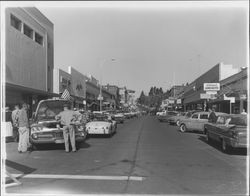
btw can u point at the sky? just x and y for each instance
(159, 45)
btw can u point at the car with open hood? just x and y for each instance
(46, 129)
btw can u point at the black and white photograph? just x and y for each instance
(124, 98)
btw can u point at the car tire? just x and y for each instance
(207, 137)
(178, 123)
(225, 148)
(183, 128)
(34, 147)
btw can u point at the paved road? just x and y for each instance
(144, 157)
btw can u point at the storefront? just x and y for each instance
(192, 99)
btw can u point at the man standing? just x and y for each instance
(66, 118)
(14, 116)
(212, 116)
(23, 124)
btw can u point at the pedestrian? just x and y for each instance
(67, 117)
(212, 116)
(23, 129)
(243, 112)
(14, 116)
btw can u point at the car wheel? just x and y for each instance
(34, 147)
(208, 138)
(183, 128)
(178, 123)
(225, 148)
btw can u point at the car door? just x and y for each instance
(217, 129)
(192, 122)
(203, 118)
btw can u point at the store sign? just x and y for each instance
(211, 92)
(100, 98)
(171, 101)
(207, 96)
(211, 86)
(243, 96)
(178, 101)
(231, 99)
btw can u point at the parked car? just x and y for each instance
(161, 113)
(101, 124)
(196, 122)
(119, 118)
(45, 129)
(184, 115)
(173, 119)
(164, 118)
(229, 130)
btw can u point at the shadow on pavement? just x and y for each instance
(48, 147)
(217, 146)
(19, 167)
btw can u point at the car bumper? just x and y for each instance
(242, 143)
(56, 138)
(98, 131)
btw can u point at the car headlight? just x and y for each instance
(36, 129)
(35, 136)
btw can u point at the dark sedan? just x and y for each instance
(229, 130)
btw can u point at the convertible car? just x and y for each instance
(101, 124)
(229, 130)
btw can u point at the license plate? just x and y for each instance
(59, 141)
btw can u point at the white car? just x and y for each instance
(101, 125)
(161, 113)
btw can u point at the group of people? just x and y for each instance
(20, 125)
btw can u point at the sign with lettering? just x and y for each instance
(211, 86)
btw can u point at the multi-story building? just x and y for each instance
(29, 57)
(113, 89)
(192, 93)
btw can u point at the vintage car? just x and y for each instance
(46, 129)
(101, 124)
(161, 113)
(196, 122)
(173, 119)
(119, 118)
(164, 118)
(229, 130)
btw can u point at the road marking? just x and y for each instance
(79, 177)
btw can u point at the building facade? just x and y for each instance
(235, 87)
(29, 56)
(192, 94)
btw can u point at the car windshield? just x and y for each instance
(238, 120)
(49, 109)
(172, 113)
(98, 117)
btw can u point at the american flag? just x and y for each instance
(66, 95)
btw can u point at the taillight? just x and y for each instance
(234, 134)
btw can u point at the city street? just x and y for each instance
(143, 157)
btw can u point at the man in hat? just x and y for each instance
(212, 116)
(66, 117)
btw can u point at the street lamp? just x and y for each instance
(100, 97)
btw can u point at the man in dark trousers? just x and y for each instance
(66, 118)
(212, 116)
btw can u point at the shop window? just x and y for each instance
(39, 39)
(15, 22)
(27, 31)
